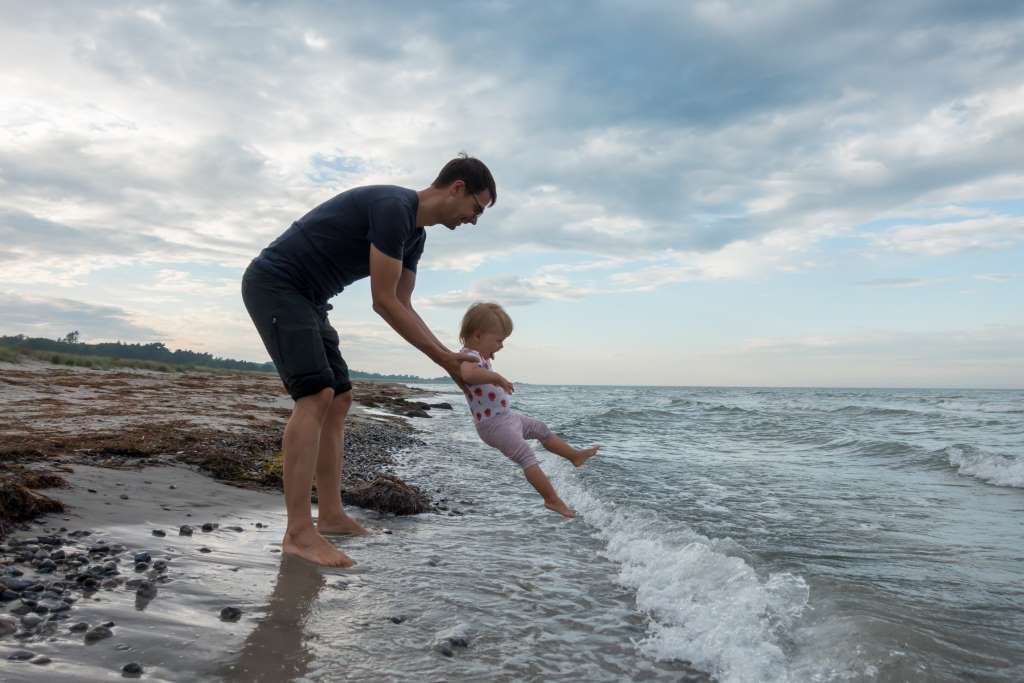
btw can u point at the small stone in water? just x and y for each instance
(185, 530)
(97, 634)
(159, 532)
(79, 627)
(20, 656)
(132, 669)
(40, 660)
(31, 620)
(230, 614)
(209, 526)
(142, 557)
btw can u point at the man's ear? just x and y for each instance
(457, 187)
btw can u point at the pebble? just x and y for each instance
(230, 614)
(79, 627)
(146, 590)
(132, 669)
(8, 625)
(40, 660)
(21, 656)
(31, 620)
(97, 634)
(159, 532)
(209, 526)
(142, 557)
(185, 530)
(204, 549)
(21, 607)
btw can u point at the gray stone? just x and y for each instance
(97, 634)
(230, 614)
(8, 625)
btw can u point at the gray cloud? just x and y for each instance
(54, 317)
(655, 126)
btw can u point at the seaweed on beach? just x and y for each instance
(390, 494)
(19, 502)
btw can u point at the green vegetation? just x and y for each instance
(153, 356)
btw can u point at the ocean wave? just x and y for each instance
(705, 605)
(995, 469)
(708, 406)
(875, 411)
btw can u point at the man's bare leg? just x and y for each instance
(330, 461)
(577, 456)
(301, 443)
(535, 475)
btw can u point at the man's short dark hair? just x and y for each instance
(472, 172)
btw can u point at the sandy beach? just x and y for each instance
(142, 521)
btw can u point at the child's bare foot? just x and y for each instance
(338, 525)
(561, 508)
(311, 546)
(584, 454)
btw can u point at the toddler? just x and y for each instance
(484, 329)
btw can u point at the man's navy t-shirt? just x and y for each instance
(329, 248)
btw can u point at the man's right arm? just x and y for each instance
(385, 274)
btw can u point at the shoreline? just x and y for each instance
(228, 425)
(120, 488)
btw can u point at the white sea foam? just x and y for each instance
(994, 469)
(706, 606)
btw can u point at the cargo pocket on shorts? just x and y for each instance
(300, 348)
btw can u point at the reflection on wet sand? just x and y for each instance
(275, 650)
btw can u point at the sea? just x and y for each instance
(728, 534)
(750, 535)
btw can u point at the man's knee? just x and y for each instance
(318, 404)
(340, 406)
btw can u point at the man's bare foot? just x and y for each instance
(584, 454)
(340, 525)
(561, 508)
(311, 546)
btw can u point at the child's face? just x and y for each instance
(488, 343)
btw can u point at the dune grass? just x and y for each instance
(8, 355)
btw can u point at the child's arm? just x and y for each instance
(474, 374)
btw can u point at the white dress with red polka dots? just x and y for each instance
(486, 400)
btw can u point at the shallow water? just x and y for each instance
(763, 535)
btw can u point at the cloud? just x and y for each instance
(996, 277)
(683, 128)
(53, 317)
(510, 291)
(941, 239)
(900, 282)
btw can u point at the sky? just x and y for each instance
(780, 193)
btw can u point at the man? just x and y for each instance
(376, 231)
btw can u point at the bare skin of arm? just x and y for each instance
(474, 374)
(385, 277)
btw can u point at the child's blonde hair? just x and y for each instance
(485, 317)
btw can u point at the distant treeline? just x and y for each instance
(159, 353)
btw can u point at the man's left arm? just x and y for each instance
(407, 283)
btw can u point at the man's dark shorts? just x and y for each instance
(295, 330)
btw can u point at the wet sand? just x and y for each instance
(134, 453)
